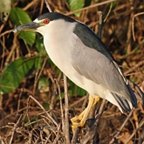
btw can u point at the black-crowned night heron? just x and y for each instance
(82, 57)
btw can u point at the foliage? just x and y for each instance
(15, 72)
(19, 17)
(77, 4)
(32, 99)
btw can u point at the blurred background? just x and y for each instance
(32, 98)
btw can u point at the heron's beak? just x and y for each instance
(27, 27)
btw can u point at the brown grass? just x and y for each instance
(24, 118)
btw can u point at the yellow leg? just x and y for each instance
(79, 121)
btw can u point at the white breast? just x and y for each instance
(59, 42)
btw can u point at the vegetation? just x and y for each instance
(33, 97)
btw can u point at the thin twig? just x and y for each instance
(139, 126)
(47, 5)
(6, 32)
(61, 106)
(13, 48)
(43, 110)
(29, 5)
(108, 13)
(13, 130)
(67, 136)
(75, 136)
(91, 6)
(54, 92)
(80, 100)
(120, 129)
(38, 74)
(133, 18)
(41, 6)
(99, 33)
(101, 107)
(57, 136)
(141, 63)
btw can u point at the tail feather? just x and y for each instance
(132, 96)
(124, 101)
(126, 104)
(123, 104)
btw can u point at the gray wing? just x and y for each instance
(92, 60)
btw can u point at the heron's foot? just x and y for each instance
(80, 120)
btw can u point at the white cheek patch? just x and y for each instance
(36, 20)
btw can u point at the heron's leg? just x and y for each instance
(79, 121)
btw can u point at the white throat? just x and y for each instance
(59, 42)
(56, 27)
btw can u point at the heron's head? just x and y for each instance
(46, 21)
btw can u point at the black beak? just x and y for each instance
(27, 27)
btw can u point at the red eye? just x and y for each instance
(46, 21)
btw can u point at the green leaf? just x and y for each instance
(15, 72)
(39, 45)
(37, 62)
(74, 90)
(43, 84)
(27, 37)
(19, 17)
(75, 5)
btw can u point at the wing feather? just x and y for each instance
(92, 60)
